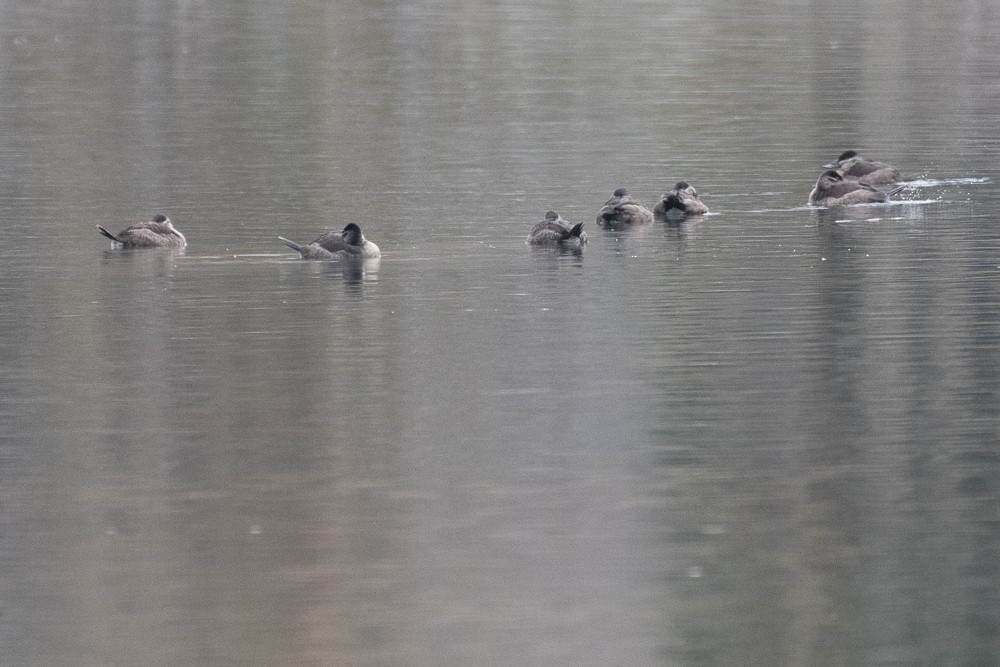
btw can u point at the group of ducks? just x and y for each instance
(850, 179)
(619, 212)
(161, 233)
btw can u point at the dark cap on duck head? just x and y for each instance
(843, 157)
(352, 234)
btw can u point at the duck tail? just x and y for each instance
(291, 244)
(108, 234)
(577, 230)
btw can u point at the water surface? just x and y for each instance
(765, 437)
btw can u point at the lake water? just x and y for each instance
(768, 437)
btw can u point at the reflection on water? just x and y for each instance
(765, 436)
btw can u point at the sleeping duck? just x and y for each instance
(349, 242)
(623, 211)
(157, 233)
(554, 230)
(682, 202)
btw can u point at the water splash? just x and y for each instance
(939, 182)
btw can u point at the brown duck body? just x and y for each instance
(157, 233)
(832, 189)
(349, 242)
(681, 202)
(851, 165)
(623, 211)
(554, 230)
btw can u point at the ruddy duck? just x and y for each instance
(337, 245)
(623, 211)
(683, 201)
(157, 233)
(832, 189)
(554, 230)
(850, 164)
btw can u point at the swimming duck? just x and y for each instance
(157, 233)
(832, 189)
(623, 211)
(683, 201)
(851, 165)
(349, 242)
(553, 229)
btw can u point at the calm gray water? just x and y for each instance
(769, 437)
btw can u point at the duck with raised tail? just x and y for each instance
(349, 242)
(157, 233)
(555, 230)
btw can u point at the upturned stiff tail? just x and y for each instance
(111, 236)
(291, 244)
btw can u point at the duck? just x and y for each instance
(851, 165)
(832, 189)
(159, 232)
(555, 230)
(681, 202)
(623, 211)
(349, 242)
